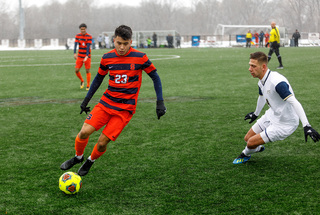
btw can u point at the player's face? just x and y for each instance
(256, 69)
(122, 46)
(83, 30)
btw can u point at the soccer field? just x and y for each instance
(180, 164)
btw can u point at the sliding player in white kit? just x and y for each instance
(282, 117)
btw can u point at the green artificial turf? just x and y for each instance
(180, 164)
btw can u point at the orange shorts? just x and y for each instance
(79, 63)
(115, 121)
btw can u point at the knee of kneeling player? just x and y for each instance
(252, 144)
(246, 138)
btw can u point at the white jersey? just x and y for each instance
(276, 89)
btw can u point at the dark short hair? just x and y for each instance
(82, 25)
(124, 32)
(260, 57)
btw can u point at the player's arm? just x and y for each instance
(283, 90)
(161, 109)
(260, 104)
(93, 88)
(87, 52)
(75, 50)
(308, 130)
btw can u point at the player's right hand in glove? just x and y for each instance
(251, 116)
(161, 109)
(84, 107)
(308, 130)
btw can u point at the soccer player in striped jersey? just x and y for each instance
(124, 65)
(282, 117)
(84, 40)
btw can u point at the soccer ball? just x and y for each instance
(70, 183)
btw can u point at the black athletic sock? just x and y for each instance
(280, 60)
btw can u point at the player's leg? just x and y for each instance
(81, 142)
(77, 71)
(111, 132)
(270, 53)
(279, 58)
(254, 144)
(99, 149)
(254, 140)
(95, 120)
(88, 74)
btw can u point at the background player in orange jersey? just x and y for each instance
(84, 54)
(124, 65)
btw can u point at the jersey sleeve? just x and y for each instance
(76, 40)
(283, 90)
(103, 68)
(260, 104)
(299, 110)
(148, 66)
(89, 40)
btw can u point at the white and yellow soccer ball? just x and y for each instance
(70, 183)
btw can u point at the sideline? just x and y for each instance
(158, 57)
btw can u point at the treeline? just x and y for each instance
(61, 20)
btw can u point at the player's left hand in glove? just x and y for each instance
(161, 109)
(308, 130)
(251, 116)
(84, 107)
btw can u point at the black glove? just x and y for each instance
(84, 107)
(267, 44)
(251, 116)
(315, 136)
(161, 109)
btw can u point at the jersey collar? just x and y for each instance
(265, 77)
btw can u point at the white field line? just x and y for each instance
(162, 57)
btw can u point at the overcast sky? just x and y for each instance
(14, 4)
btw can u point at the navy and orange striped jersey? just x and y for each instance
(125, 76)
(83, 40)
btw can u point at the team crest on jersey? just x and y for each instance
(132, 67)
(83, 44)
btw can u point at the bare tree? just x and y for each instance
(61, 20)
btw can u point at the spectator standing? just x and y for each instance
(178, 38)
(261, 36)
(248, 39)
(149, 41)
(170, 40)
(267, 36)
(296, 36)
(256, 37)
(99, 39)
(106, 41)
(154, 38)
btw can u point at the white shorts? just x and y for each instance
(271, 132)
